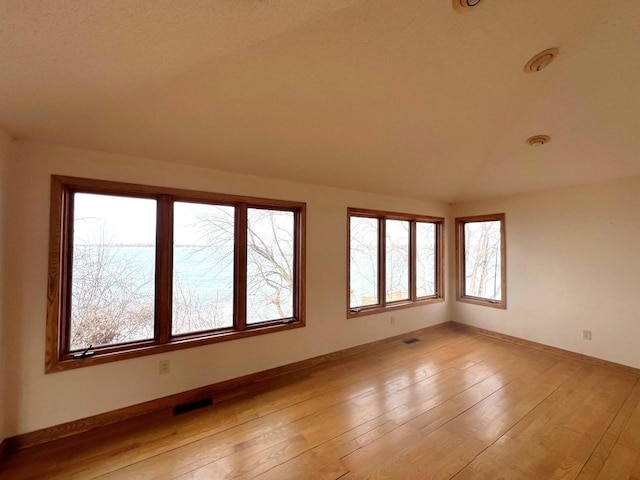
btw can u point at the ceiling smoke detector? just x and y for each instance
(538, 140)
(541, 60)
(465, 5)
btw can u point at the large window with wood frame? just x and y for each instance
(395, 261)
(136, 270)
(481, 260)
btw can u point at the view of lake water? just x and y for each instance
(209, 270)
(202, 288)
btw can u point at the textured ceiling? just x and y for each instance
(404, 97)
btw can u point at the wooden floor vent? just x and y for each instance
(409, 341)
(189, 407)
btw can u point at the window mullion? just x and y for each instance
(164, 269)
(503, 262)
(460, 257)
(413, 294)
(382, 261)
(298, 274)
(67, 268)
(240, 288)
(439, 260)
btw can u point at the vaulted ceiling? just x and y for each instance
(403, 97)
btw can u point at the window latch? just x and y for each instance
(86, 353)
(355, 310)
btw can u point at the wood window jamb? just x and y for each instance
(460, 242)
(413, 300)
(59, 358)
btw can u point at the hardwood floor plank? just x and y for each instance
(330, 422)
(514, 368)
(313, 462)
(552, 441)
(619, 464)
(353, 374)
(366, 405)
(598, 458)
(456, 404)
(630, 436)
(449, 448)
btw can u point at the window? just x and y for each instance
(270, 260)
(136, 270)
(481, 260)
(395, 261)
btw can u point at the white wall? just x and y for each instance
(36, 400)
(573, 259)
(573, 263)
(5, 159)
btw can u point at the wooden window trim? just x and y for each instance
(58, 356)
(383, 305)
(460, 263)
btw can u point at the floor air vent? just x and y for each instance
(188, 407)
(409, 341)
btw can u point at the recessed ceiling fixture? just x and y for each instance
(541, 60)
(538, 140)
(465, 5)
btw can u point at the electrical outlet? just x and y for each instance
(586, 334)
(164, 367)
(393, 320)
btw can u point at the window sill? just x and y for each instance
(69, 363)
(483, 302)
(364, 311)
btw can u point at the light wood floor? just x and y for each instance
(454, 405)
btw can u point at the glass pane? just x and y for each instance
(425, 259)
(397, 245)
(203, 267)
(363, 281)
(270, 264)
(113, 270)
(482, 260)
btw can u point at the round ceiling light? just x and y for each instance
(541, 60)
(465, 5)
(538, 140)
